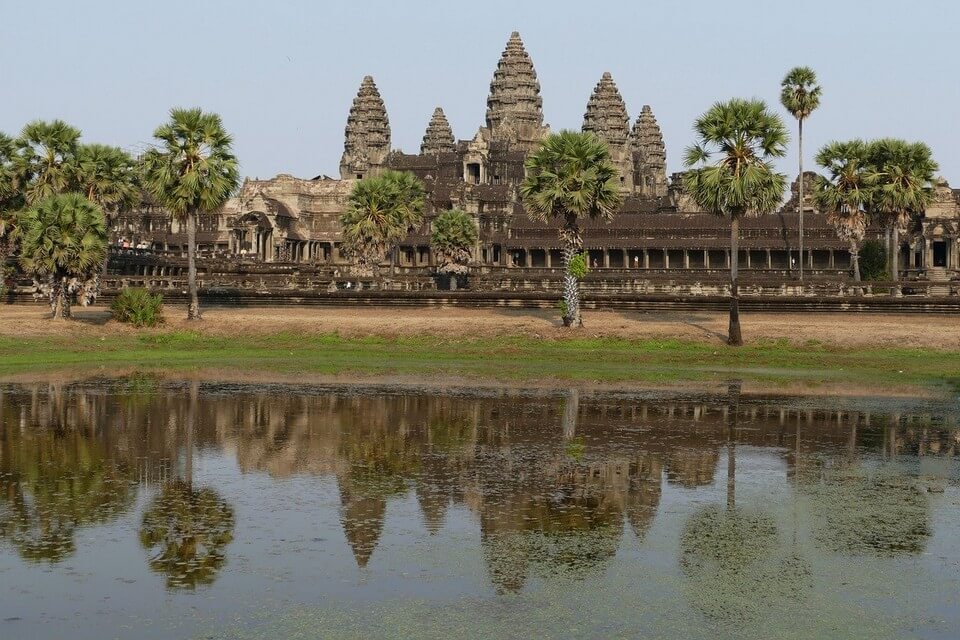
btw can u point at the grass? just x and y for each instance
(516, 359)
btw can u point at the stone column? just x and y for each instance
(548, 257)
(769, 260)
(706, 258)
(646, 258)
(833, 264)
(666, 258)
(686, 259)
(606, 258)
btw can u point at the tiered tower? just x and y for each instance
(514, 106)
(649, 155)
(367, 135)
(607, 118)
(439, 136)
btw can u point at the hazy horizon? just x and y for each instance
(283, 74)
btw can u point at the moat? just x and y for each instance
(139, 507)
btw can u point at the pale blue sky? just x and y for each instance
(283, 74)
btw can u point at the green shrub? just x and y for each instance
(139, 307)
(578, 266)
(873, 261)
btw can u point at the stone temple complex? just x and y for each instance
(658, 232)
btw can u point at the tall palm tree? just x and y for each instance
(109, 177)
(846, 192)
(906, 172)
(570, 177)
(744, 137)
(46, 159)
(192, 171)
(800, 95)
(381, 211)
(11, 200)
(62, 238)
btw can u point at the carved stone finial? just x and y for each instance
(439, 136)
(514, 106)
(606, 115)
(650, 155)
(367, 134)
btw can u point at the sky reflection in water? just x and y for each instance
(147, 509)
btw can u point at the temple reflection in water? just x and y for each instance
(554, 481)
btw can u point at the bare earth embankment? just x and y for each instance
(835, 329)
(838, 354)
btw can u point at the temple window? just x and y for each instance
(473, 172)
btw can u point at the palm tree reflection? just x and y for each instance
(187, 529)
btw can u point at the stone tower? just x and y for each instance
(514, 106)
(439, 136)
(649, 155)
(367, 135)
(607, 118)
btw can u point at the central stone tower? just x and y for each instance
(367, 135)
(514, 106)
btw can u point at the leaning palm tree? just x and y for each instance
(800, 95)
(570, 177)
(46, 159)
(744, 137)
(191, 172)
(381, 211)
(846, 192)
(906, 173)
(453, 236)
(62, 241)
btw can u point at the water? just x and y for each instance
(138, 508)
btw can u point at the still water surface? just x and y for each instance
(139, 508)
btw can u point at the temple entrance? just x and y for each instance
(252, 235)
(939, 253)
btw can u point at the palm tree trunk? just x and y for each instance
(193, 310)
(733, 411)
(60, 297)
(895, 258)
(734, 338)
(571, 285)
(800, 197)
(887, 230)
(855, 262)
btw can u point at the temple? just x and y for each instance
(658, 230)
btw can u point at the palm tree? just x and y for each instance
(46, 159)
(453, 236)
(846, 192)
(191, 172)
(905, 177)
(11, 200)
(800, 95)
(108, 176)
(62, 238)
(569, 177)
(745, 137)
(381, 211)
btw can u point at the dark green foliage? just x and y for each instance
(138, 307)
(453, 236)
(873, 260)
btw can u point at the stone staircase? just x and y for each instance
(941, 281)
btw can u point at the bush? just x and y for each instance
(139, 307)
(578, 266)
(873, 261)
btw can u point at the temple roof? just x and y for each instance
(514, 101)
(647, 139)
(606, 114)
(438, 136)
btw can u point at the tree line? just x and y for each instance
(58, 195)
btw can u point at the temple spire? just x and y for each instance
(514, 106)
(367, 134)
(650, 155)
(438, 137)
(606, 114)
